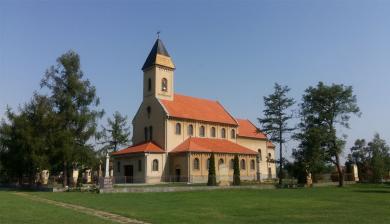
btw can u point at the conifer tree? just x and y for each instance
(276, 117)
(236, 173)
(212, 179)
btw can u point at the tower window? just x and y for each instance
(178, 128)
(213, 132)
(201, 131)
(149, 84)
(164, 85)
(150, 133)
(223, 133)
(190, 130)
(149, 111)
(146, 131)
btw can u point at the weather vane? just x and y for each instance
(158, 34)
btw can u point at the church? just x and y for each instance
(174, 135)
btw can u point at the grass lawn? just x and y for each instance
(352, 204)
(16, 209)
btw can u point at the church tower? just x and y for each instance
(158, 73)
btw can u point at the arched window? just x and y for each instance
(243, 165)
(146, 131)
(232, 134)
(269, 156)
(190, 130)
(252, 164)
(232, 164)
(178, 129)
(164, 85)
(223, 133)
(155, 165)
(201, 131)
(213, 132)
(196, 164)
(118, 166)
(149, 84)
(208, 163)
(220, 162)
(149, 111)
(150, 133)
(260, 155)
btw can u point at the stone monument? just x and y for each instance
(223, 175)
(44, 177)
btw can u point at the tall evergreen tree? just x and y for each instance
(275, 121)
(24, 139)
(116, 134)
(236, 171)
(324, 108)
(74, 101)
(212, 179)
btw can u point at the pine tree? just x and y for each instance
(212, 179)
(116, 134)
(74, 101)
(236, 173)
(275, 120)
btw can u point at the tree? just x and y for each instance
(24, 139)
(276, 117)
(380, 157)
(74, 101)
(323, 109)
(116, 134)
(212, 179)
(236, 171)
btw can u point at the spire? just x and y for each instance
(158, 56)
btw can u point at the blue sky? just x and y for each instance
(231, 51)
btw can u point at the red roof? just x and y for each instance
(141, 148)
(211, 145)
(270, 144)
(188, 107)
(248, 129)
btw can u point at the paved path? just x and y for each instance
(89, 211)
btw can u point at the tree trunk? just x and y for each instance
(65, 175)
(280, 159)
(340, 172)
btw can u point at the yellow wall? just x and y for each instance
(255, 145)
(174, 139)
(156, 74)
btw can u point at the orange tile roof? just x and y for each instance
(141, 148)
(188, 107)
(270, 144)
(211, 145)
(248, 129)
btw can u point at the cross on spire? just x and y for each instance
(158, 34)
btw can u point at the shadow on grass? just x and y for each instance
(376, 191)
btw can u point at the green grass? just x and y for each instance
(17, 209)
(352, 204)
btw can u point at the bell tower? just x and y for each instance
(158, 73)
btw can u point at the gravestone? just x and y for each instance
(224, 179)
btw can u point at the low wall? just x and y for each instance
(180, 188)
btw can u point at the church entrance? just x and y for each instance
(129, 174)
(177, 175)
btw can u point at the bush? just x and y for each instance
(236, 174)
(212, 180)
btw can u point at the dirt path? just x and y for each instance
(89, 211)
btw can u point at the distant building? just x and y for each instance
(174, 135)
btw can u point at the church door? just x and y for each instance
(129, 173)
(177, 175)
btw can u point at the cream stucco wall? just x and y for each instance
(174, 139)
(256, 145)
(119, 168)
(155, 176)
